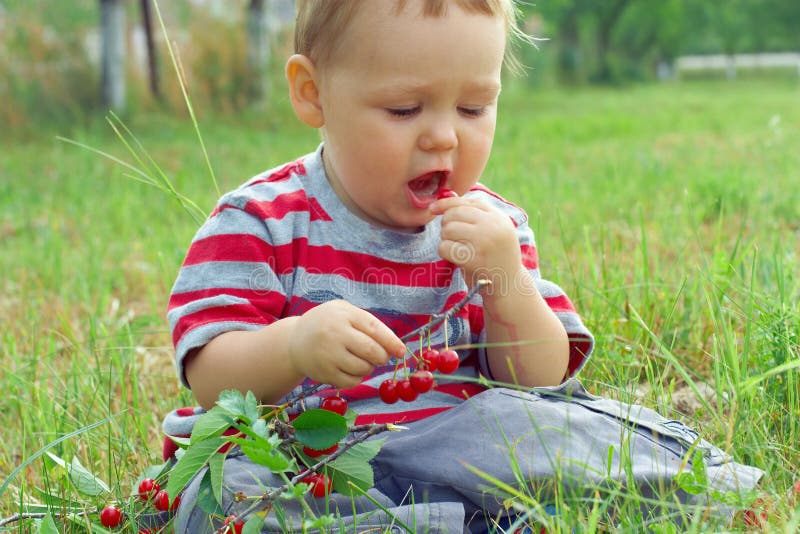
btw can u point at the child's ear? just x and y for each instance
(303, 90)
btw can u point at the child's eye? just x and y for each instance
(403, 112)
(472, 112)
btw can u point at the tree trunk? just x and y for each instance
(152, 60)
(603, 40)
(112, 31)
(257, 51)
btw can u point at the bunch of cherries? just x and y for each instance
(421, 380)
(149, 492)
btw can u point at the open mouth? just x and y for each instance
(424, 190)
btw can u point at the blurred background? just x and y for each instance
(61, 62)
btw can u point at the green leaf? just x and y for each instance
(321, 522)
(181, 442)
(212, 423)
(156, 472)
(253, 525)
(251, 407)
(319, 429)
(47, 525)
(699, 468)
(44, 449)
(687, 482)
(260, 428)
(295, 492)
(205, 497)
(353, 466)
(193, 460)
(238, 405)
(52, 501)
(215, 467)
(85, 482)
(274, 459)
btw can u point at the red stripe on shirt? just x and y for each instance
(560, 303)
(530, 256)
(229, 247)
(263, 299)
(370, 269)
(242, 313)
(294, 168)
(280, 206)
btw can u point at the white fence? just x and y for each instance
(732, 63)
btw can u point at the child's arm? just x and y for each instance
(483, 242)
(334, 343)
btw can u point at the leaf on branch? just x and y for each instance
(205, 497)
(47, 525)
(260, 428)
(215, 467)
(253, 525)
(353, 466)
(212, 423)
(240, 406)
(192, 461)
(320, 523)
(84, 481)
(319, 429)
(273, 459)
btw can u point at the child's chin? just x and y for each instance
(411, 225)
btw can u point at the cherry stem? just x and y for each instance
(438, 318)
(270, 496)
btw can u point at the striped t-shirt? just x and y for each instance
(283, 243)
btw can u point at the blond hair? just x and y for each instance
(320, 22)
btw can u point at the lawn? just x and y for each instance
(670, 213)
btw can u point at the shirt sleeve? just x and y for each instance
(581, 340)
(227, 282)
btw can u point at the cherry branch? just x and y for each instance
(21, 517)
(367, 431)
(439, 318)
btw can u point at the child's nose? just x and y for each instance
(439, 135)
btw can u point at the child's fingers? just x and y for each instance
(379, 332)
(459, 231)
(367, 350)
(456, 252)
(446, 204)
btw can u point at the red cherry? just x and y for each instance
(388, 391)
(334, 404)
(321, 485)
(446, 193)
(238, 526)
(315, 453)
(448, 361)
(148, 488)
(421, 381)
(430, 359)
(406, 390)
(161, 501)
(110, 516)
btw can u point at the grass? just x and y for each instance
(670, 213)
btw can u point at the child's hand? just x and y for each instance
(479, 239)
(337, 343)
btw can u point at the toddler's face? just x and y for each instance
(409, 106)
